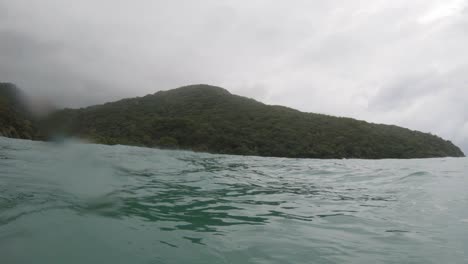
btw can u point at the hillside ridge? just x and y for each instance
(211, 119)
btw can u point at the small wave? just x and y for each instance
(418, 174)
(396, 231)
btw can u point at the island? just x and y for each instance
(210, 119)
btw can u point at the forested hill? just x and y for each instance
(15, 119)
(208, 118)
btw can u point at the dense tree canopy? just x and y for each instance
(15, 120)
(208, 118)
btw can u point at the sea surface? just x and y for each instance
(83, 203)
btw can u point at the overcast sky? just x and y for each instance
(401, 62)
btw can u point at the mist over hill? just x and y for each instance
(16, 119)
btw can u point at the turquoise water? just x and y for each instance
(83, 203)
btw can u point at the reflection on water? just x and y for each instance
(134, 205)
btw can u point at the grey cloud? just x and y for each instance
(33, 66)
(405, 91)
(3, 12)
(19, 48)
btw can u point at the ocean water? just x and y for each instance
(84, 203)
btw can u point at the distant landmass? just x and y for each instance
(210, 119)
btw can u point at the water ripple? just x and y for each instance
(137, 205)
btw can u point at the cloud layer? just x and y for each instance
(399, 62)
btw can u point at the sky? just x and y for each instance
(395, 61)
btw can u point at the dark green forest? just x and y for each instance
(210, 119)
(15, 119)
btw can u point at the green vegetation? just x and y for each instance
(207, 118)
(15, 120)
